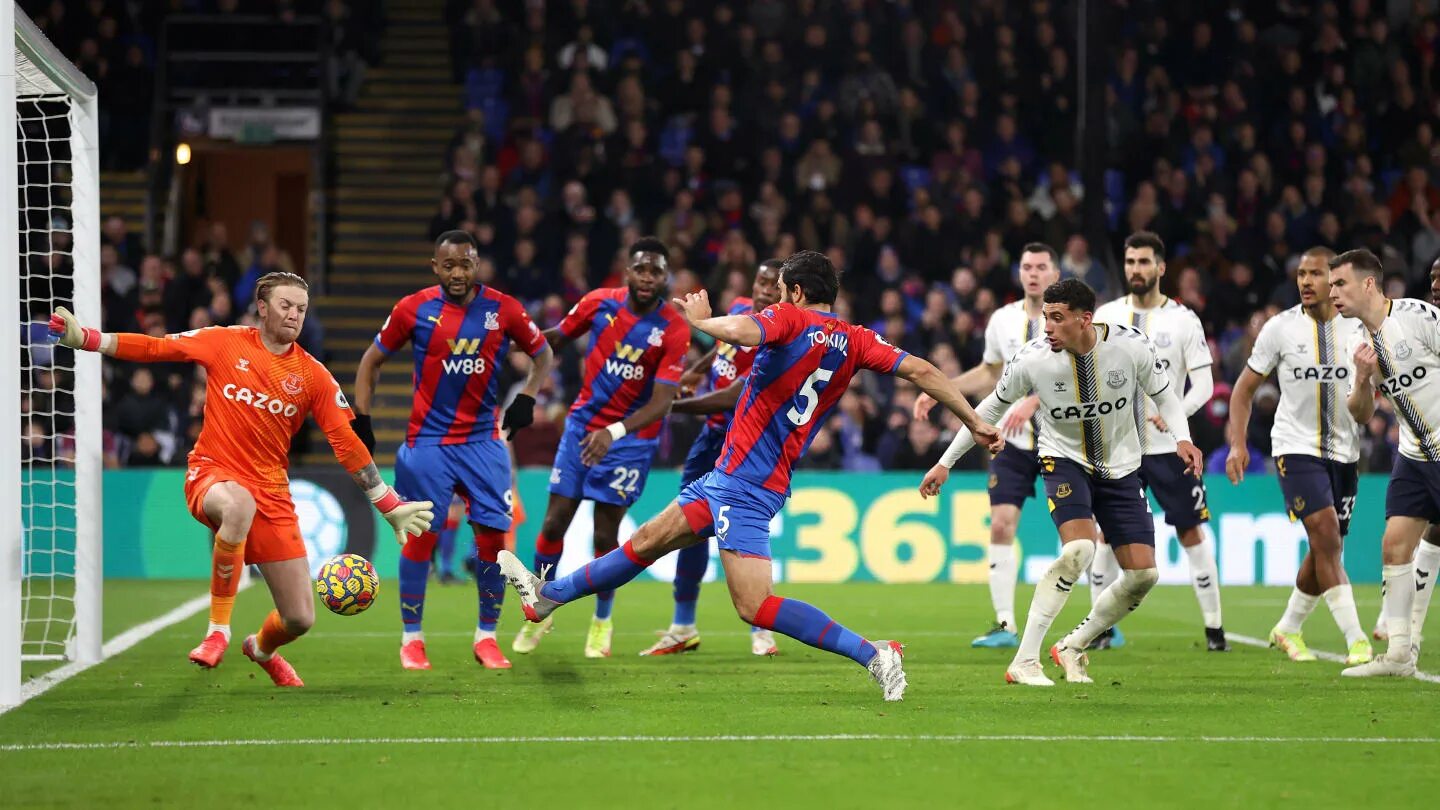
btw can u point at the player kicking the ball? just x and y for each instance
(1179, 341)
(1088, 376)
(259, 388)
(633, 364)
(1398, 351)
(461, 332)
(805, 361)
(724, 374)
(1316, 446)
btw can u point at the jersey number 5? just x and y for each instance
(810, 397)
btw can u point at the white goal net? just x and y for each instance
(50, 434)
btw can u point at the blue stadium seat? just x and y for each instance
(673, 139)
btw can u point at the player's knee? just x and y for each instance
(298, 623)
(1075, 558)
(238, 509)
(1141, 580)
(1002, 529)
(747, 606)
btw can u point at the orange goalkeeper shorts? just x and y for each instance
(275, 530)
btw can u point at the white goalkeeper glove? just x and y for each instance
(405, 517)
(71, 334)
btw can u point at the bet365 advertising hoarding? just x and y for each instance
(836, 527)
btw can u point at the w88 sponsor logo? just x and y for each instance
(625, 371)
(723, 369)
(467, 365)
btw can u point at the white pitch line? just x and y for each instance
(1321, 654)
(742, 738)
(36, 687)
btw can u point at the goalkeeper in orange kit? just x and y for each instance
(259, 387)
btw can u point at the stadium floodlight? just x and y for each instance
(50, 432)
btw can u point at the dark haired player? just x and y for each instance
(460, 332)
(1088, 376)
(633, 362)
(806, 360)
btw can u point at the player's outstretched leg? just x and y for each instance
(490, 588)
(1117, 601)
(749, 579)
(230, 506)
(682, 637)
(414, 577)
(293, 616)
(1051, 593)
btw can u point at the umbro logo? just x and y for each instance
(241, 364)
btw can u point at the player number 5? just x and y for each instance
(810, 396)
(722, 523)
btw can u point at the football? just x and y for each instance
(347, 584)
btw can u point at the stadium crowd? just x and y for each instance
(920, 145)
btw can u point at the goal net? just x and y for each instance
(50, 433)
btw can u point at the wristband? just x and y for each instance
(90, 339)
(616, 430)
(384, 498)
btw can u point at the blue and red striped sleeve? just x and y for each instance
(672, 360)
(396, 330)
(780, 323)
(874, 352)
(580, 316)
(519, 327)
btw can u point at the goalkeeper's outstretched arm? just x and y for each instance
(126, 345)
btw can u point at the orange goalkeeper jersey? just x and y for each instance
(255, 401)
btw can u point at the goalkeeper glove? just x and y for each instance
(520, 414)
(363, 430)
(405, 517)
(71, 334)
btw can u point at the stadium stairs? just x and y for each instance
(122, 194)
(390, 153)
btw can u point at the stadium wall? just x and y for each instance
(838, 527)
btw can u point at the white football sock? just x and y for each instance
(407, 636)
(1002, 583)
(1103, 571)
(481, 635)
(1427, 559)
(223, 629)
(1297, 611)
(1051, 594)
(1117, 602)
(1341, 600)
(1399, 602)
(1206, 577)
(686, 629)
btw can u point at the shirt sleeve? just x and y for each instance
(779, 323)
(332, 413)
(994, 351)
(1148, 369)
(1427, 326)
(580, 316)
(875, 353)
(1197, 349)
(1015, 380)
(520, 328)
(195, 346)
(1265, 354)
(672, 361)
(396, 330)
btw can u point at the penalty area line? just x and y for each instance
(38, 686)
(717, 738)
(1251, 641)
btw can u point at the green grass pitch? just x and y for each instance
(1244, 729)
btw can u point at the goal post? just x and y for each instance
(51, 442)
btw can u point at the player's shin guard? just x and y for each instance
(1399, 583)
(414, 574)
(1297, 610)
(1341, 601)
(807, 623)
(227, 565)
(690, 566)
(272, 635)
(1051, 594)
(1205, 576)
(601, 574)
(547, 555)
(1002, 582)
(1115, 603)
(489, 583)
(1427, 559)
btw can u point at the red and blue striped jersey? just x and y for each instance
(457, 352)
(804, 364)
(627, 355)
(730, 364)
